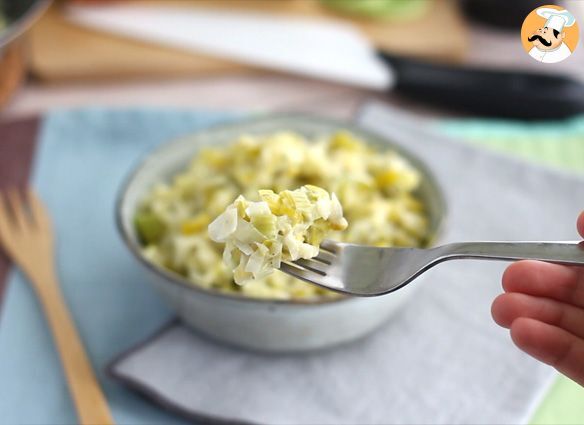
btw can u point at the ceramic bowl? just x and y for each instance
(259, 324)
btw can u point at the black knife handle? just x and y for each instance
(494, 93)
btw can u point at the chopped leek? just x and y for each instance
(375, 188)
(294, 221)
(150, 228)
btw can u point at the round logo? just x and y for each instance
(549, 34)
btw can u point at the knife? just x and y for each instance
(336, 51)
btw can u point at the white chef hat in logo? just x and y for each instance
(556, 19)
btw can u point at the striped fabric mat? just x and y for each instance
(557, 144)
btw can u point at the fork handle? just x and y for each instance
(90, 403)
(569, 253)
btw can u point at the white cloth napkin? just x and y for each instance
(441, 360)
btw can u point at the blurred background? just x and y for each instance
(59, 58)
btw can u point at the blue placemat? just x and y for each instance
(83, 157)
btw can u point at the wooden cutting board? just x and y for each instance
(60, 50)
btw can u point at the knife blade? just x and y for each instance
(311, 47)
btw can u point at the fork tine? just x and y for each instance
(17, 206)
(39, 213)
(312, 265)
(325, 257)
(302, 274)
(4, 219)
(329, 246)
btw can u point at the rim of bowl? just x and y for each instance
(183, 282)
(23, 22)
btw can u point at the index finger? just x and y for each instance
(580, 224)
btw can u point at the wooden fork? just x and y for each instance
(27, 237)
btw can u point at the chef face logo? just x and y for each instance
(547, 39)
(549, 34)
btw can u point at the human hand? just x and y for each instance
(543, 306)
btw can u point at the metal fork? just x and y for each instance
(369, 271)
(27, 237)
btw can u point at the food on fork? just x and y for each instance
(376, 187)
(280, 227)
